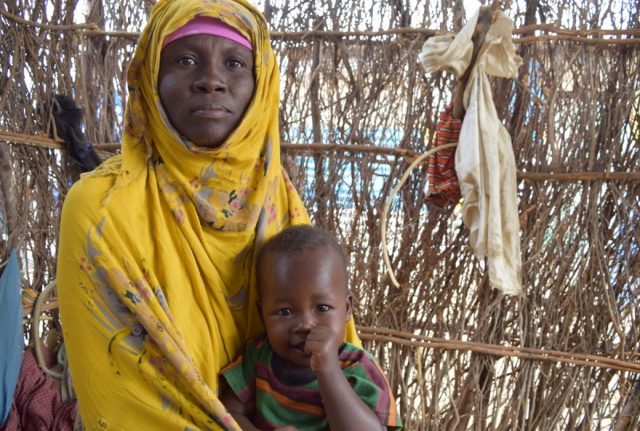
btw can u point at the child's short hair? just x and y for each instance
(296, 239)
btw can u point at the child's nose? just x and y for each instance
(305, 323)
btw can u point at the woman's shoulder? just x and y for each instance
(89, 196)
(93, 186)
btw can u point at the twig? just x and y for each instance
(413, 340)
(92, 29)
(7, 191)
(44, 142)
(53, 27)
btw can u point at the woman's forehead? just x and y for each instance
(205, 25)
(205, 41)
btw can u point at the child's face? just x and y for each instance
(300, 293)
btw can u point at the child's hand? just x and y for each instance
(322, 346)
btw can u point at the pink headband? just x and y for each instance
(207, 25)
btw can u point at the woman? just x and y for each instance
(155, 267)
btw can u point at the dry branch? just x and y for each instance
(413, 340)
(41, 141)
(565, 34)
(8, 211)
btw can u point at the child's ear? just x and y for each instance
(349, 306)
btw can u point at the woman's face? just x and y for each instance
(206, 84)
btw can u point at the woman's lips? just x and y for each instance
(212, 111)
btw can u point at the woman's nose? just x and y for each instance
(210, 79)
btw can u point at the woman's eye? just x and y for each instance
(284, 312)
(234, 63)
(186, 61)
(323, 308)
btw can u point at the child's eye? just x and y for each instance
(323, 308)
(284, 312)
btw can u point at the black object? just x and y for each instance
(68, 117)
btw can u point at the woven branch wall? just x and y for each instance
(351, 85)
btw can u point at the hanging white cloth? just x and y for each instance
(485, 163)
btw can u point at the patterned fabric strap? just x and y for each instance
(444, 188)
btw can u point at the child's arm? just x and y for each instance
(344, 409)
(239, 411)
(235, 407)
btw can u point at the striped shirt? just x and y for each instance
(277, 397)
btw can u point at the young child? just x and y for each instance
(302, 376)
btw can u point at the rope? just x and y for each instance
(35, 332)
(387, 205)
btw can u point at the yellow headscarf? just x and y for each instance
(155, 274)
